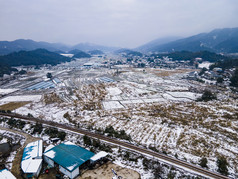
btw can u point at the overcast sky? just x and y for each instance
(124, 23)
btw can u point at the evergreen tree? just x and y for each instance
(234, 79)
(203, 162)
(222, 165)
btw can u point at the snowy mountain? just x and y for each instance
(219, 40)
(7, 47)
(150, 45)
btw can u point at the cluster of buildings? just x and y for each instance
(212, 76)
(68, 158)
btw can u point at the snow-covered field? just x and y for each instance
(156, 111)
(112, 105)
(7, 91)
(34, 98)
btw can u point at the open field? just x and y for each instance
(105, 172)
(13, 105)
(165, 73)
(157, 108)
(21, 98)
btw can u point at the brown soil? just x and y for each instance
(50, 175)
(164, 73)
(13, 105)
(105, 172)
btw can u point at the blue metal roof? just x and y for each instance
(69, 155)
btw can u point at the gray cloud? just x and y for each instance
(126, 23)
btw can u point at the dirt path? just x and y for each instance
(17, 160)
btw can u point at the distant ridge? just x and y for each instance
(7, 47)
(219, 41)
(91, 47)
(150, 45)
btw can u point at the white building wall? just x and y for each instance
(72, 174)
(64, 171)
(75, 172)
(49, 161)
(38, 171)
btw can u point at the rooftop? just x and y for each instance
(99, 155)
(69, 155)
(5, 174)
(32, 157)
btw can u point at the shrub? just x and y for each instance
(203, 163)
(113, 133)
(234, 79)
(16, 123)
(222, 165)
(54, 133)
(207, 96)
(29, 115)
(37, 128)
(61, 135)
(220, 80)
(87, 140)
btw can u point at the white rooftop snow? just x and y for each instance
(32, 157)
(5, 174)
(99, 156)
(50, 154)
(49, 147)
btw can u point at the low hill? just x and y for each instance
(90, 47)
(6, 69)
(74, 51)
(81, 54)
(186, 55)
(35, 57)
(95, 52)
(128, 52)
